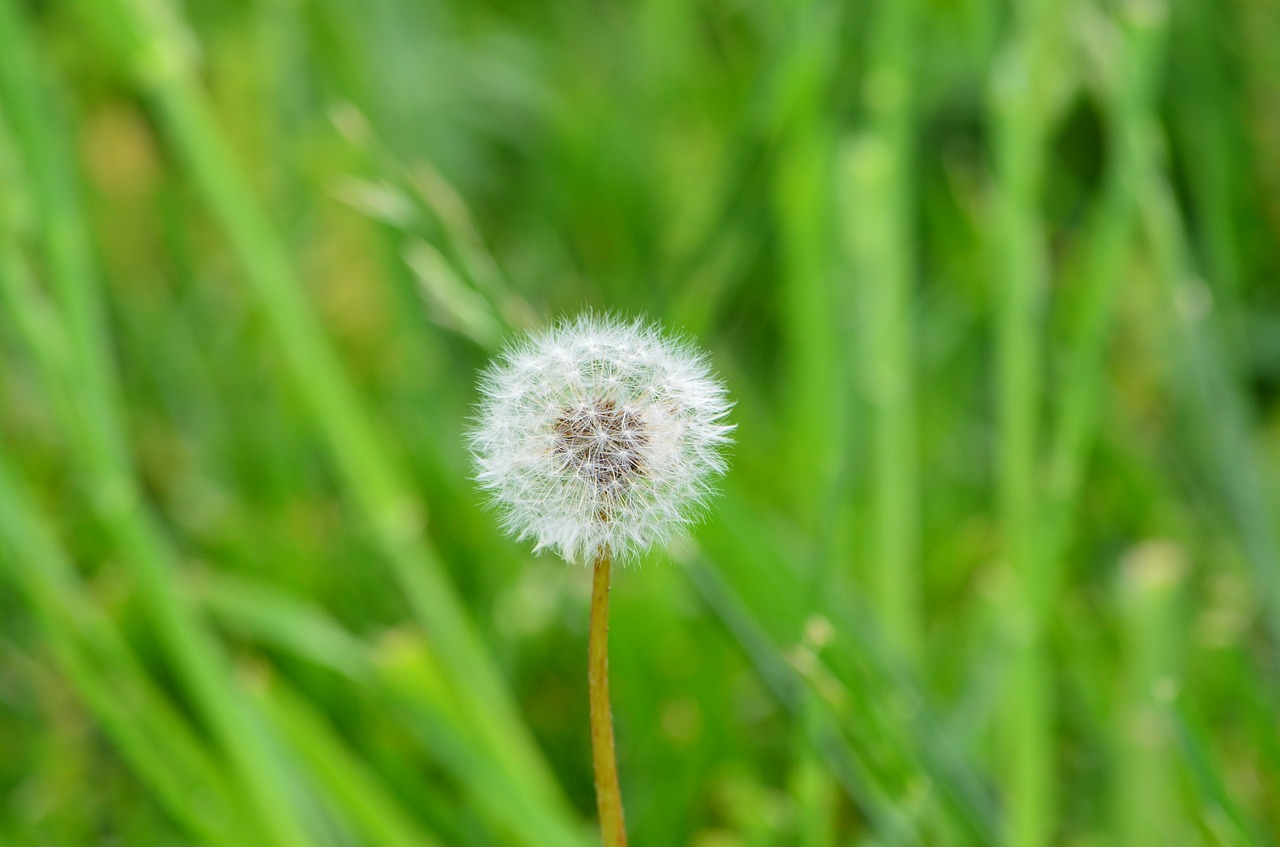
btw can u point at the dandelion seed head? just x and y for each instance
(599, 433)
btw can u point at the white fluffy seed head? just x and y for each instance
(599, 434)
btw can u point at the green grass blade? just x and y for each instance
(877, 187)
(1022, 100)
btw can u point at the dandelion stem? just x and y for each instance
(604, 758)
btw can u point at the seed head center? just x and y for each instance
(602, 442)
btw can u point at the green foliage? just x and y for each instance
(992, 285)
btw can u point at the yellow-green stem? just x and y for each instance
(608, 796)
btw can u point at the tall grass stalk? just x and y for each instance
(1145, 785)
(1021, 96)
(801, 204)
(815, 793)
(1129, 74)
(878, 208)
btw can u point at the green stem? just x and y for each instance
(800, 194)
(1146, 784)
(1130, 108)
(603, 756)
(878, 207)
(1021, 97)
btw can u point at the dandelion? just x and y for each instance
(599, 434)
(597, 439)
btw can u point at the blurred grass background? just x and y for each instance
(993, 286)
